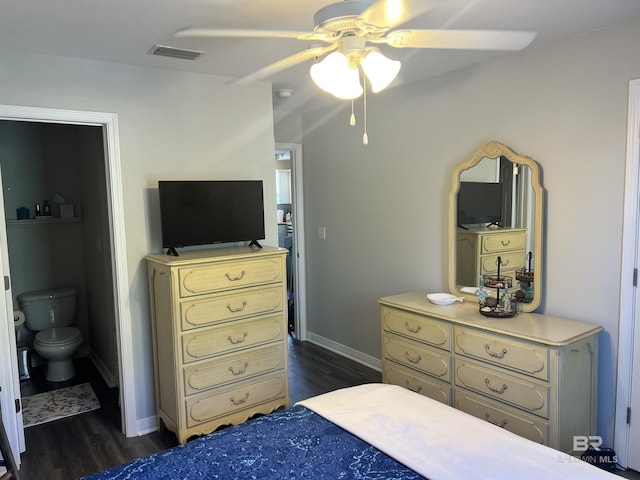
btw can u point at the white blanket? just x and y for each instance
(440, 442)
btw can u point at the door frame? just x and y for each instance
(297, 202)
(109, 124)
(629, 302)
(9, 375)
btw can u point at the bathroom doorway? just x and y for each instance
(57, 223)
(106, 125)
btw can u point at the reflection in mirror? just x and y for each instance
(495, 224)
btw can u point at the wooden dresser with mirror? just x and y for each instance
(533, 374)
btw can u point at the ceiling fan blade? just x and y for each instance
(460, 39)
(246, 33)
(283, 64)
(387, 14)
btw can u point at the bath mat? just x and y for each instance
(56, 404)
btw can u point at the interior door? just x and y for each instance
(634, 419)
(627, 422)
(9, 377)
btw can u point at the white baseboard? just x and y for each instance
(147, 425)
(355, 355)
(109, 378)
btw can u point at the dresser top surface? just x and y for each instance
(490, 230)
(545, 329)
(215, 254)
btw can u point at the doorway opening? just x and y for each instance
(106, 124)
(57, 225)
(290, 206)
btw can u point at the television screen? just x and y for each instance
(479, 203)
(208, 212)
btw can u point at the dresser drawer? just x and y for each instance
(415, 355)
(423, 329)
(509, 261)
(528, 395)
(226, 338)
(198, 280)
(503, 242)
(409, 379)
(232, 368)
(518, 355)
(216, 404)
(231, 306)
(528, 426)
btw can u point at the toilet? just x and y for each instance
(49, 314)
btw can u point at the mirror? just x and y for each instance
(495, 210)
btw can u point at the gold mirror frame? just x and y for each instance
(495, 150)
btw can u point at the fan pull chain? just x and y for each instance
(352, 120)
(365, 137)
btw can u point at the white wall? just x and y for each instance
(384, 205)
(172, 125)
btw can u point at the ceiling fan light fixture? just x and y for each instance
(348, 86)
(380, 70)
(334, 76)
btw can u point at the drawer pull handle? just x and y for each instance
(412, 329)
(236, 310)
(236, 278)
(500, 262)
(235, 341)
(412, 359)
(502, 424)
(241, 400)
(499, 390)
(239, 372)
(494, 354)
(505, 244)
(415, 390)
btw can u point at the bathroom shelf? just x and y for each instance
(42, 221)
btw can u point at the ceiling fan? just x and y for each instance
(350, 26)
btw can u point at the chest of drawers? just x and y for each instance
(219, 337)
(532, 374)
(479, 249)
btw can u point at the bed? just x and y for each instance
(371, 431)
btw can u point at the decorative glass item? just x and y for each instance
(481, 292)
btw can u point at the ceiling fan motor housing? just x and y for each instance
(353, 47)
(338, 17)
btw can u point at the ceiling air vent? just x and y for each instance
(164, 51)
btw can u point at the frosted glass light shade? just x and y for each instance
(334, 76)
(348, 86)
(380, 70)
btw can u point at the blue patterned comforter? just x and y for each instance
(288, 444)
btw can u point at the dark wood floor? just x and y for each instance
(72, 447)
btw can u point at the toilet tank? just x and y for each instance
(44, 309)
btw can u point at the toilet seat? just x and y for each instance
(58, 336)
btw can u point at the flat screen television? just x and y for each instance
(210, 211)
(479, 203)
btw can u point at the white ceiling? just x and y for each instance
(125, 30)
